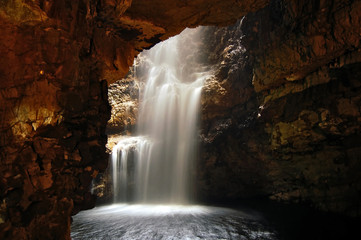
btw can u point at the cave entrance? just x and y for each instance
(155, 163)
(153, 133)
(231, 127)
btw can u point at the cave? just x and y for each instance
(279, 118)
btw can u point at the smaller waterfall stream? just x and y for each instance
(168, 117)
(122, 166)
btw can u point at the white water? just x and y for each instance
(168, 119)
(122, 174)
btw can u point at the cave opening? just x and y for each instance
(150, 181)
(140, 198)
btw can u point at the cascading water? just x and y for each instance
(169, 109)
(122, 166)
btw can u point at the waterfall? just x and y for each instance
(166, 147)
(122, 165)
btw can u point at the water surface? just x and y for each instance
(124, 221)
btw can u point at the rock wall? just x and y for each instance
(123, 99)
(282, 117)
(126, 27)
(54, 109)
(57, 57)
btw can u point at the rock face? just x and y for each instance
(226, 169)
(54, 109)
(125, 27)
(296, 38)
(123, 99)
(57, 57)
(282, 117)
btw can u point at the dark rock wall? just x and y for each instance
(227, 169)
(290, 39)
(289, 128)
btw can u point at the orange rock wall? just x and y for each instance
(53, 115)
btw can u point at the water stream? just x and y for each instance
(166, 146)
